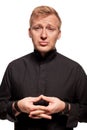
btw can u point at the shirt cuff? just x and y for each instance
(10, 113)
(73, 116)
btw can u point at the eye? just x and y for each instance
(51, 28)
(36, 28)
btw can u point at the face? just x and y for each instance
(44, 33)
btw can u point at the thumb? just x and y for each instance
(48, 99)
(36, 99)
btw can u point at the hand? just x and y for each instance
(27, 104)
(38, 114)
(55, 105)
(38, 111)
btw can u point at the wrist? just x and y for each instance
(15, 112)
(16, 106)
(66, 109)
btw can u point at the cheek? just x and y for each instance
(35, 41)
(34, 37)
(54, 39)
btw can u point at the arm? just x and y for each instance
(6, 111)
(78, 109)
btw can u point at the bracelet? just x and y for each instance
(16, 106)
(66, 109)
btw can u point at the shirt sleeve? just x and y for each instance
(6, 111)
(78, 112)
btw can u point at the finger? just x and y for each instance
(35, 99)
(45, 116)
(36, 112)
(34, 117)
(48, 99)
(39, 107)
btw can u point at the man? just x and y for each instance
(44, 90)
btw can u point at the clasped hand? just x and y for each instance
(55, 105)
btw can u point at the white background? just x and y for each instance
(14, 40)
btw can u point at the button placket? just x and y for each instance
(42, 79)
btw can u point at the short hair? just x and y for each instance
(44, 11)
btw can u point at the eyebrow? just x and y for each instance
(40, 25)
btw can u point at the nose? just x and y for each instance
(43, 34)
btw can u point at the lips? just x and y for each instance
(43, 43)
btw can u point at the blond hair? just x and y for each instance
(44, 11)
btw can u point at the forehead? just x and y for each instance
(51, 19)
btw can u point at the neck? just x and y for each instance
(43, 54)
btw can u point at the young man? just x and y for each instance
(44, 90)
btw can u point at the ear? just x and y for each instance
(29, 33)
(59, 35)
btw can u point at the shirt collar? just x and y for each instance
(49, 55)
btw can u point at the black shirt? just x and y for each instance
(53, 75)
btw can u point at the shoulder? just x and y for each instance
(70, 65)
(66, 61)
(21, 61)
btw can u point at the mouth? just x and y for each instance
(43, 43)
